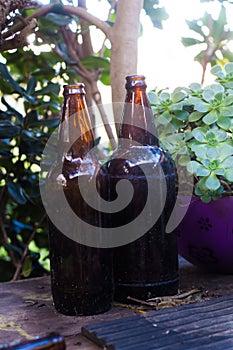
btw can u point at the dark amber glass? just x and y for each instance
(147, 267)
(81, 276)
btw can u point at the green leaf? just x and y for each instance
(212, 182)
(94, 62)
(229, 174)
(227, 111)
(218, 26)
(192, 166)
(51, 88)
(224, 122)
(16, 192)
(59, 20)
(193, 25)
(105, 77)
(228, 101)
(178, 96)
(199, 135)
(156, 15)
(5, 75)
(212, 153)
(27, 267)
(31, 85)
(217, 70)
(229, 68)
(194, 116)
(12, 110)
(153, 97)
(226, 150)
(202, 106)
(190, 41)
(208, 95)
(196, 87)
(183, 160)
(8, 129)
(202, 171)
(227, 163)
(28, 136)
(199, 150)
(210, 117)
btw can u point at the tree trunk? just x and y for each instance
(124, 50)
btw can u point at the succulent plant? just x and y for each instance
(195, 125)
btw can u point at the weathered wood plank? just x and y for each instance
(199, 326)
(26, 309)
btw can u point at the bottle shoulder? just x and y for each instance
(126, 160)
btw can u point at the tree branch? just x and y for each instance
(6, 241)
(80, 12)
(43, 11)
(25, 252)
(19, 40)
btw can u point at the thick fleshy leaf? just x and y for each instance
(210, 118)
(199, 150)
(165, 97)
(226, 150)
(212, 182)
(217, 70)
(212, 153)
(227, 111)
(202, 106)
(229, 67)
(224, 122)
(196, 87)
(202, 171)
(229, 174)
(208, 95)
(153, 97)
(199, 135)
(227, 163)
(178, 96)
(227, 101)
(193, 117)
(192, 166)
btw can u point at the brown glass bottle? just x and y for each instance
(51, 341)
(148, 266)
(81, 275)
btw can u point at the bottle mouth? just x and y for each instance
(135, 80)
(74, 89)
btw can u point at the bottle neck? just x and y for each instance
(137, 124)
(75, 128)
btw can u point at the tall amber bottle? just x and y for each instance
(81, 275)
(148, 266)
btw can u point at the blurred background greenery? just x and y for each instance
(30, 83)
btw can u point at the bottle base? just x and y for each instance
(145, 291)
(71, 306)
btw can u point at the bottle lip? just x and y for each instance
(135, 80)
(74, 89)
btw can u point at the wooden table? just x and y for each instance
(26, 308)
